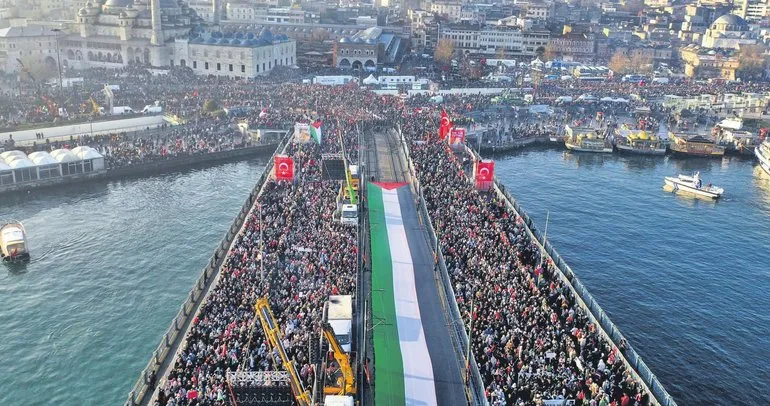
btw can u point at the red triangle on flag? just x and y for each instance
(389, 185)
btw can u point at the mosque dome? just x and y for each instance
(730, 22)
(117, 3)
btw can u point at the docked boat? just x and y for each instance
(695, 145)
(694, 185)
(13, 242)
(586, 139)
(638, 142)
(762, 152)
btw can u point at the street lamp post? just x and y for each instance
(58, 59)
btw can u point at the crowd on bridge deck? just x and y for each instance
(531, 339)
(306, 256)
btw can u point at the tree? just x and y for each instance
(210, 106)
(641, 63)
(549, 54)
(620, 63)
(751, 62)
(445, 49)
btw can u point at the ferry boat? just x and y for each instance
(639, 142)
(695, 145)
(13, 242)
(762, 153)
(586, 139)
(694, 185)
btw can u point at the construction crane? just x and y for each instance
(25, 69)
(273, 334)
(346, 384)
(96, 109)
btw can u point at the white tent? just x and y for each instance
(42, 158)
(8, 155)
(20, 163)
(4, 167)
(84, 152)
(371, 80)
(64, 155)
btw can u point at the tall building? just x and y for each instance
(752, 10)
(119, 32)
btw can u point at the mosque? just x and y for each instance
(163, 33)
(728, 32)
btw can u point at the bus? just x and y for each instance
(634, 78)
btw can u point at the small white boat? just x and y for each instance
(694, 185)
(13, 242)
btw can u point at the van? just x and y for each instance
(339, 314)
(349, 214)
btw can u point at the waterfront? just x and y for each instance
(112, 263)
(685, 280)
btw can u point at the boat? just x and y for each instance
(13, 242)
(586, 139)
(639, 142)
(695, 145)
(762, 152)
(693, 184)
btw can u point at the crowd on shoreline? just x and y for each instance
(531, 340)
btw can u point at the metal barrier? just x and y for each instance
(458, 325)
(595, 312)
(140, 389)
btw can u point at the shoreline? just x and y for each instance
(146, 169)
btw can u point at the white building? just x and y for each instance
(495, 40)
(120, 32)
(17, 168)
(728, 32)
(242, 55)
(259, 14)
(752, 10)
(34, 46)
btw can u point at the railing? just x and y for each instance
(457, 324)
(175, 330)
(595, 311)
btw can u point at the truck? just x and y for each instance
(339, 314)
(118, 111)
(349, 214)
(153, 108)
(337, 400)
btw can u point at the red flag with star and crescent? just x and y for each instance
(284, 168)
(485, 174)
(446, 125)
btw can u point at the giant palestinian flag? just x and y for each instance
(414, 362)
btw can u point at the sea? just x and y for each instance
(112, 263)
(685, 280)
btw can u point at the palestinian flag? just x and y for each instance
(315, 131)
(414, 359)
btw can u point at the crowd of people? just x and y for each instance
(290, 250)
(530, 338)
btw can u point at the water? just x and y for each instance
(112, 263)
(685, 280)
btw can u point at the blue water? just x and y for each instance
(112, 264)
(687, 281)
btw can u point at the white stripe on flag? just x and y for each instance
(419, 386)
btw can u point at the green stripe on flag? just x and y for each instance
(388, 363)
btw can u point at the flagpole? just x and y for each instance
(545, 239)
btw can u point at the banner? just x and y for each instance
(284, 168)
(302, 133)
(485, 174)
(457, 136)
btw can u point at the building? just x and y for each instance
(498, 40)
(709, 63)
(728, 32)
(540, 12)
(367, 50)
(19, 170)
(573, 46)
(241, 55)
(752, 10)
(34, 47)
(122, 32)
(259, 14)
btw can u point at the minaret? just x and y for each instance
(157, 30)
(215, 11)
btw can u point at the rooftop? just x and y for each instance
(28, 31)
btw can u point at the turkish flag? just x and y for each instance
(284, 168)
(446, 125)
(485, 170)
